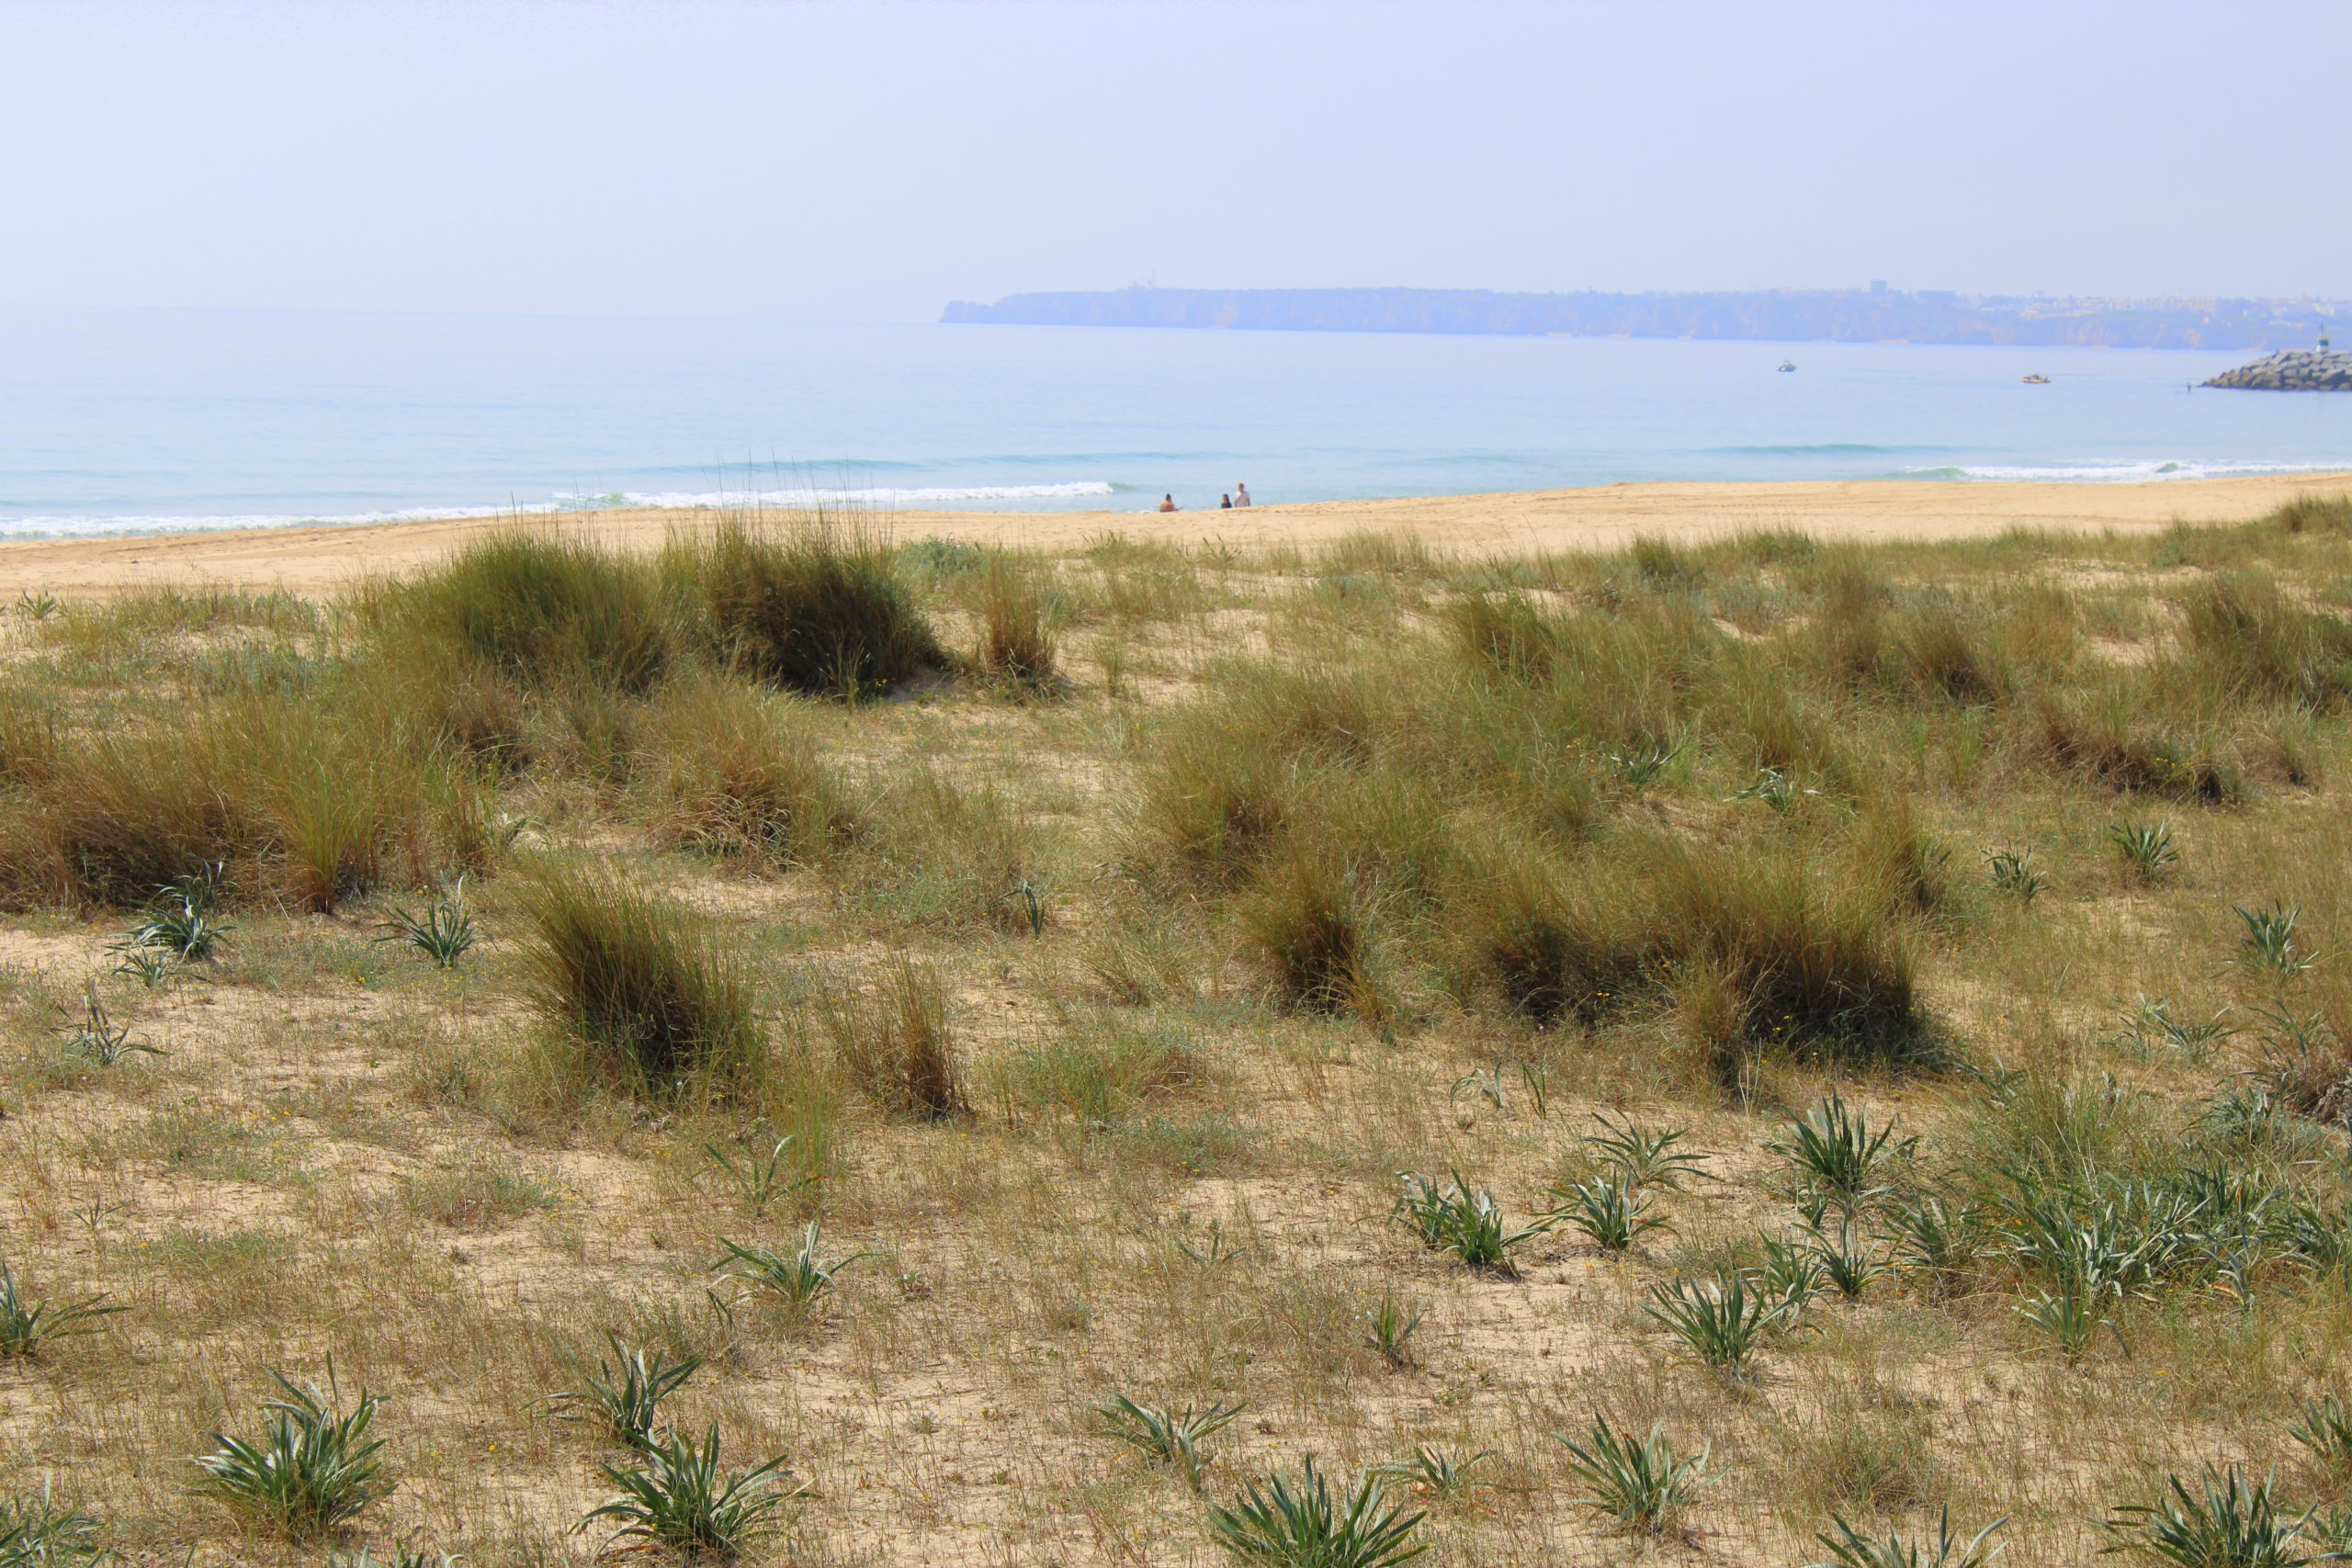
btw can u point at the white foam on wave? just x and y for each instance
(2118, 473)
(70, 527)
(878, 495)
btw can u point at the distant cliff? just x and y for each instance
(1830, 315)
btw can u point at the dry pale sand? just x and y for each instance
(315, 560)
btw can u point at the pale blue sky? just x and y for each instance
(871, 160)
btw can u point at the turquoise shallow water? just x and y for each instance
(136, 421)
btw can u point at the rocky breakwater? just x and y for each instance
(2294, 370)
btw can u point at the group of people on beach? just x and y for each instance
(1240, 497)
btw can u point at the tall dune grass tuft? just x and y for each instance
(1016, 633)
(815, 605)
(896, 1043)
(1309, 916)
(537, 608)
(724, 773)
(638, 982)
(1789, 950)
(2254, 643)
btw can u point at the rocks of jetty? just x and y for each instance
(2294, 370)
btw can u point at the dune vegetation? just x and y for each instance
(808, 1047)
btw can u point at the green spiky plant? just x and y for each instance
(624, 1395)
(1300, 1521)
(1639, 1482)
(442, 929)
(1171, 1438)
(1609, 1212)
(2226, 1521)
(1723, 1321)
(2268, 945)
(314, 1468)
(1389, 1329)
(799, 1278)
(1835, 1160)
(1644, 1156)
(2147, 849)
(680, 1501)
(38, 1531)
(1436, 1474)
(1849, 1548)
(1463, 1221)
(27, 1325)
(96, 1037)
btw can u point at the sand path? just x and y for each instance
(318, 560)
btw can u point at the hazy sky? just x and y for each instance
(872, 161)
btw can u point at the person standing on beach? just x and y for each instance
(1240, 493)
(1167, 504)
(1225, 505)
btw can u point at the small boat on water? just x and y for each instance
(2035, 380)
(1788, 364)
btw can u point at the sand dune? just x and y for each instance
(314, 560)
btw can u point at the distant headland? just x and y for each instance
(1876, 314)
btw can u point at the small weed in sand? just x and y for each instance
(797, 1280)
(1389, 1329)
(623, 1396)
(443, 930)
(1463, 1221)
(95, 1038)
(38, 1531)
(1169, 1438)
(26, 1327)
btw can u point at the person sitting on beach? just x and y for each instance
(1226, 505)
(1240, 493)
(1167, 504)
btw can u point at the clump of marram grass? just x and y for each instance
(314, 1467)
(1016, 641)
(726, 776)
(637, 983)
(896, 1043)
(814, 605)
(1785, 950)
(533, 607)
(1310, 918)
(2250, 641)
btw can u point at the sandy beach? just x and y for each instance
(319, 560)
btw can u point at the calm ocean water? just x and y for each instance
(130, 421)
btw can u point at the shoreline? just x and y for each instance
(320, 559)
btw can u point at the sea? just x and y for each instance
(150, 421)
